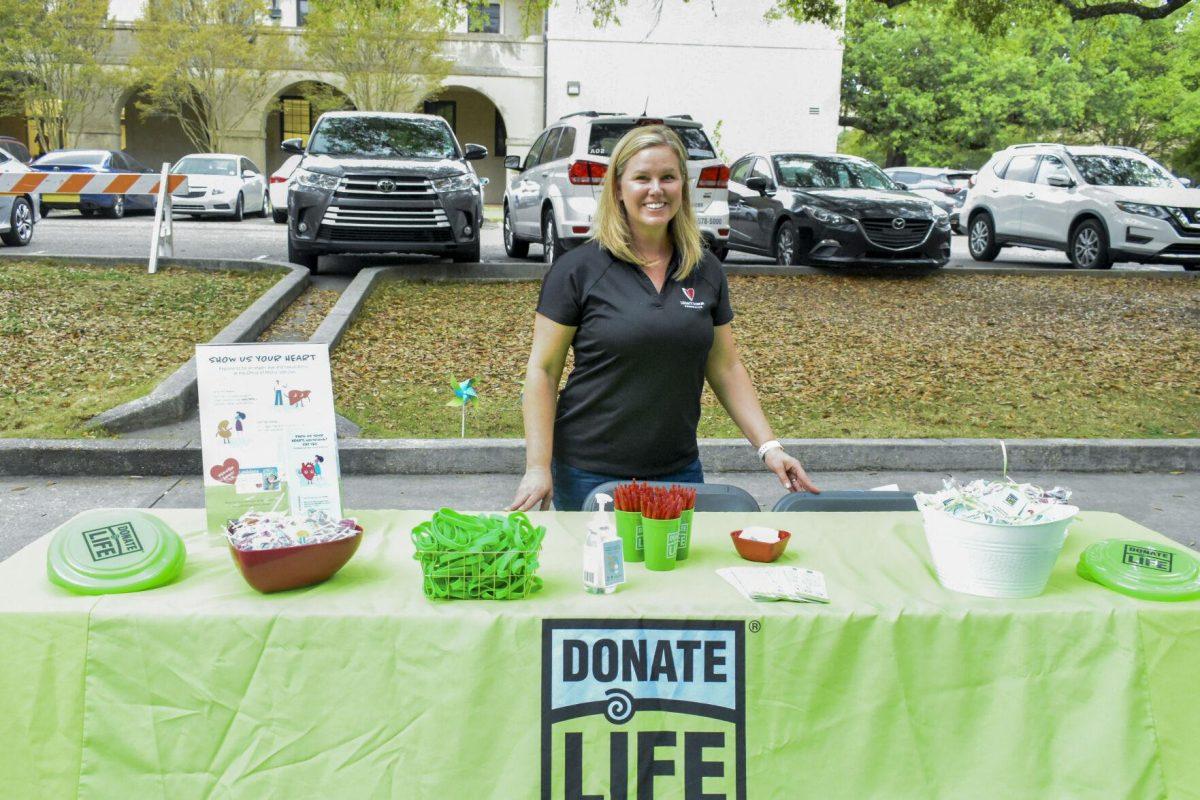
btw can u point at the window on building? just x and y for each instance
(446, 109)
(500, 147)
(301, 11)
(295, 119)
(484, 19)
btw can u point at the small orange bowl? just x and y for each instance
(759, 551)
(286, 568)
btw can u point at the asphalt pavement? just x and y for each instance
(32, 506)
(68, 233)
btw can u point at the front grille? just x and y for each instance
(386, 234)
(403, 186)
(881, 233)
(373, 217)
(194, 193)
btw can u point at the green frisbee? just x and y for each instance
(1146, 570)
(113, 550)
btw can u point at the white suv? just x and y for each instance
(1099, 204)
(552, 199)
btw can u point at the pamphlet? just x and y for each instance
(777, 583)
(268, 432)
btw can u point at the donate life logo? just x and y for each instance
(643, 709)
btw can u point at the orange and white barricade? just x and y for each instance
(164, 185)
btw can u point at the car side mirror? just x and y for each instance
(1061, 181)
(474, 152)
(1186, 182)
(901, 185)
(249, 173)
(757, 183)
(293, 146)
(512, 162)
(484, 182)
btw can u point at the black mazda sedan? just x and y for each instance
(831, 210)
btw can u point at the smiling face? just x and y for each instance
(651, 190)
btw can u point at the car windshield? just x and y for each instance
(1100, 170)
(806, 172)
(200, 165)
(605, 135)
(78, 158)
(383, 137)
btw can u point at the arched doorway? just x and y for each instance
(150, 137)
(475, 118)
(294, 111)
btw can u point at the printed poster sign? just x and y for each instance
(268, 431)
(643, 708)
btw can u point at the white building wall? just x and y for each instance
(758, 79)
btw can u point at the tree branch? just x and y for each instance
(847, 121)
(1162, 10)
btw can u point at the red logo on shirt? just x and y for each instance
(690, 294)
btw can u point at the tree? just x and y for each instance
(386, 52)
(48, 65)
(984, 15)
(208, 63)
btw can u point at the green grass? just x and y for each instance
(76, 340)
(948, 355)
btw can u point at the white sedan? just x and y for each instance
(222, 184)
(280, 180)
(18, 213)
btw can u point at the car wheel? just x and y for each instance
(301, 257)
(20, 224)
(266, 206)
(239, 209)
(1089, 246)
(467, 254)
(785, 245)
(118, 208)
(514, 247)
(981, 238)
(279, 214)
(551, 244)
(83, 212)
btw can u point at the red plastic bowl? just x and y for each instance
(760, 551)
(293, 567)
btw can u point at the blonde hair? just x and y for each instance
(611, 228)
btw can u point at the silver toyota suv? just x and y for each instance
(552, 199)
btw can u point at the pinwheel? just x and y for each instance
(464, 395)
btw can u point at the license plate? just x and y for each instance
(715, 221)
(60, 198)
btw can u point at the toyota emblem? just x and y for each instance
(898, 223)
(386, 186)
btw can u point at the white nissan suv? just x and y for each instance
(552, 199)
(1098, 204)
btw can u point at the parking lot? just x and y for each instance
(68, 233)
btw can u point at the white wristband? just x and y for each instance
(768, 447)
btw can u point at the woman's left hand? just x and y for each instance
(790, 473)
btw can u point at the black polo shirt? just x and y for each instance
(632, 404)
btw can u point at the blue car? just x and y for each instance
(110, 205)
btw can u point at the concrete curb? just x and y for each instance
(344, 311)
(507, 456)
(174, 398)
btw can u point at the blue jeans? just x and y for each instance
(572, 486)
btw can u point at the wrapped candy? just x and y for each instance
(995, 502)
(270, 530)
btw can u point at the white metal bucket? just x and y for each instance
(995, 560)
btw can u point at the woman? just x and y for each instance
(647, 311)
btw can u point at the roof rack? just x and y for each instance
(1036, 144)
(593, 114)
(677, 116)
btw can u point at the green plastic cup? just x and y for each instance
(685, 534)
(662, 543)
(629, 528)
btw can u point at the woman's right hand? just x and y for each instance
(534, 492)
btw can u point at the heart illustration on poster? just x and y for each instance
(227, 472)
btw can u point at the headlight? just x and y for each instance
(828, 217)
(1143, 209)
(458, 183)
(316, 180)
(940, 218)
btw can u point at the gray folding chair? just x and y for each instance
(847, 500)
(709, 496)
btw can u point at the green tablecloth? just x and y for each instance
(363, 688)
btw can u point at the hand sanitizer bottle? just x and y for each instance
(603, 561)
